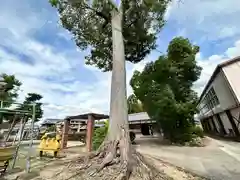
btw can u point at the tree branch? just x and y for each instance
(98, 13)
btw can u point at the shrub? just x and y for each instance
(181, 138)
(198, 131)
(51, 129)
(99, 135)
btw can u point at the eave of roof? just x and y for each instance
(85, 116)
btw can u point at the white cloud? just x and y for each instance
(60, 98)
(213, 19)
(65, 94)
(234, 51)
(210, 63)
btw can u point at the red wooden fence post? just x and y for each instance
(65, 134)
(90, 130)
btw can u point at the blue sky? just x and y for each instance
(44, 57)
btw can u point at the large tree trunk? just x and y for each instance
(118, 103)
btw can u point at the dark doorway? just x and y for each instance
(145, 129)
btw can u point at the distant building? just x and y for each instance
(76, 125)
(48, 123)
(219, 104)
(136, 121)
(15, 134)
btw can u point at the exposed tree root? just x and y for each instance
(109, 168)
(115, 160)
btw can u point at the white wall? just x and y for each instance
(232, 73)
(223, 93)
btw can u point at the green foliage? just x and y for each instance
(134, 105)
(11, 89)
(9, 94)
(51, 129)
(28, 102)
(90, 24)
(33, 98)
(165, 89)
(99, 135)
(198, 131)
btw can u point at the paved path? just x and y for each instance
(220, 160)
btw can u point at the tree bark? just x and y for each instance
(118, 103)
(116, 147)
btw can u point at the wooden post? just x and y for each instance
(90, 131)
(65, 134)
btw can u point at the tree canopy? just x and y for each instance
(90, 24)
(114, 35)
(165, 88)
(30, 99)
(12, 86)
(134, 105)
(10, 95)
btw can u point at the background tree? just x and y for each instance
(29, 100)
(51, 128)
(114, 33)
(26, 106)
(134, 105)
(165, 88)
(10, 94)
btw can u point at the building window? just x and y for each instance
(211, 99)
(209, 102)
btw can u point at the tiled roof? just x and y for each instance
(51, 121)
(138, 116)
